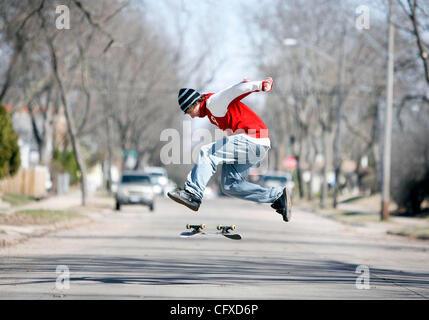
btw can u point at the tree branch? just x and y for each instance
(88, 16)
(422, 50)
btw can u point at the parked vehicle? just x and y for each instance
(159, 179)
(135, 188)
(276, 179)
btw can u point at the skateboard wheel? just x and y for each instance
(233, 227)
(203, 226)
(188, 226)
(219, 227)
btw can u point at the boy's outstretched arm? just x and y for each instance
(218, 103)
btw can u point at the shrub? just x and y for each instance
(66, 162)
(410, 162)
(10, 158)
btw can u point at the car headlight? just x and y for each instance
(157, 189)
(163, 181)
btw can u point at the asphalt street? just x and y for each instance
(138, 254)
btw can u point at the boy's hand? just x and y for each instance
(267, 85)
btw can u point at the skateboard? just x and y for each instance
(197, 229)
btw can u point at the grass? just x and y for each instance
(359, 218)
(37, 217)
(17, 199)
(352, 217)
(424, 214)
(103, 194)
(370, 215)
(48, 215)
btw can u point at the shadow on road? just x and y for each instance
(164, 271)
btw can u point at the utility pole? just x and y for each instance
(385, 189)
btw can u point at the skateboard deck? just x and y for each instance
(223, 230)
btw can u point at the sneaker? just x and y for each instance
(283, 205)
(186, 198)
(277, 205)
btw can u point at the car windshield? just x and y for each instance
(274, 178)
(136, 179)
(156, 176)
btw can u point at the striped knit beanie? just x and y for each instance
(187, 98)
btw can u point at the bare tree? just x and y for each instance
(69, 64)
(325, 79)
(18, 31)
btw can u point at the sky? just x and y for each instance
(222, 23)
(219, 19)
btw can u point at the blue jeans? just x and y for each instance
(237, 155)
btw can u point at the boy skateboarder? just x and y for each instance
(245, 146)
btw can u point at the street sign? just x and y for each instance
(130, 153)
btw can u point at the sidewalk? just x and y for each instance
(16, 231)
(364, 214)
(61, 202)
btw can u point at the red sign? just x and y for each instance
(290, 163)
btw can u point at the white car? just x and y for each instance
(279, 179)
(159, 179)
(135, 189)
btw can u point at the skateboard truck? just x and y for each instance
(225, 229)
(196, 227)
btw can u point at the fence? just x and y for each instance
(30, 182)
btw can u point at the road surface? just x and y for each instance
(137, 254)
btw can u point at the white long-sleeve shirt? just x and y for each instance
(225, 110)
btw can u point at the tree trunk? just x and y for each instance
(48, 130)
(299, 177)
(310, 183)
(109, 155)
(297, 153)
(8, 77)
(337, 138)
(281, 154)
(324, 187)
(76, 148)
(71, 128)
(274, 165)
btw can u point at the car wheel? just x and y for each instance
(118, 205)
(151, 207)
